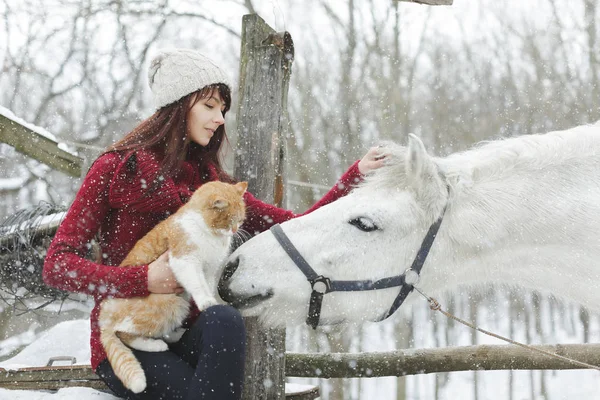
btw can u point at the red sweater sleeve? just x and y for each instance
(261, 216)
(66, 267)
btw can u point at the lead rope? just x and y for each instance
(434, 305)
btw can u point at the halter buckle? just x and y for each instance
(411, 277)
(321, 284)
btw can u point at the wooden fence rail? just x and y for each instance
(39, 147)
(348, 365)
(448, 359)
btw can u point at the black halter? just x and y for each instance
(322, 285)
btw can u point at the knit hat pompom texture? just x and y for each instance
(174, 73)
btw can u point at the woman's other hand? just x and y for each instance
(160, 277)
(375, 158)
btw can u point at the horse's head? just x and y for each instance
(372, 233)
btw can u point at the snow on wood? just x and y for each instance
(37, 143)
(430, 2)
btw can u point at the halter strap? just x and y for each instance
(417, 264)
(293, 253)
(333, 286)
(319, 284)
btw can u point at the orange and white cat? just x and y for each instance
(197, 237)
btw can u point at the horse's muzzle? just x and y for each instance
(230, 297)
(223, 287)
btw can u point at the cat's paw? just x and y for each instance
(174, 336)
(149, 344)
(205, 302)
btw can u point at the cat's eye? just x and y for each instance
(364, 224)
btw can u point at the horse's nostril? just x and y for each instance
(223, 286)
(230, 268)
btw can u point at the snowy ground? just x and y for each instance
(65, 339)
(76, 393)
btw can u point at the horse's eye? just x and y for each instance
(364, 224)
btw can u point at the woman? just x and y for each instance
(138, 182)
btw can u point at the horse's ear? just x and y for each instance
(423, 176)
(418, 163)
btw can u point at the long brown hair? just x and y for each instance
(165, 133)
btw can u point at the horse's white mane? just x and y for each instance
(492, 159)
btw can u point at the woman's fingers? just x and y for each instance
(160, 276)
(375, 158)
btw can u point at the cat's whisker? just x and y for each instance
(239, 238)
(244, 235)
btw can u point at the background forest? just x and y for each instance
(365, 71)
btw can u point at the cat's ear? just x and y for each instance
(220, 204)
(241, 187)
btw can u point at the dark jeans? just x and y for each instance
(207, 363)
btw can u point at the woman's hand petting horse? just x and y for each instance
(375, 158)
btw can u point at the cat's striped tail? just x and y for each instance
(126, 367)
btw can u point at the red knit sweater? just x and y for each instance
(111, 207)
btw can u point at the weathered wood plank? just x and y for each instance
(39, 147)
(50, 378)
(430, 2)
(265, 65)
(54, 378)
(70, 372)
(53, 385)
(426, 361)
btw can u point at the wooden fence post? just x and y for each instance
(265, 67)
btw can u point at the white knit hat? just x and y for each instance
(174, 73)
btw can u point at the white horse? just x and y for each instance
(521, 211)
